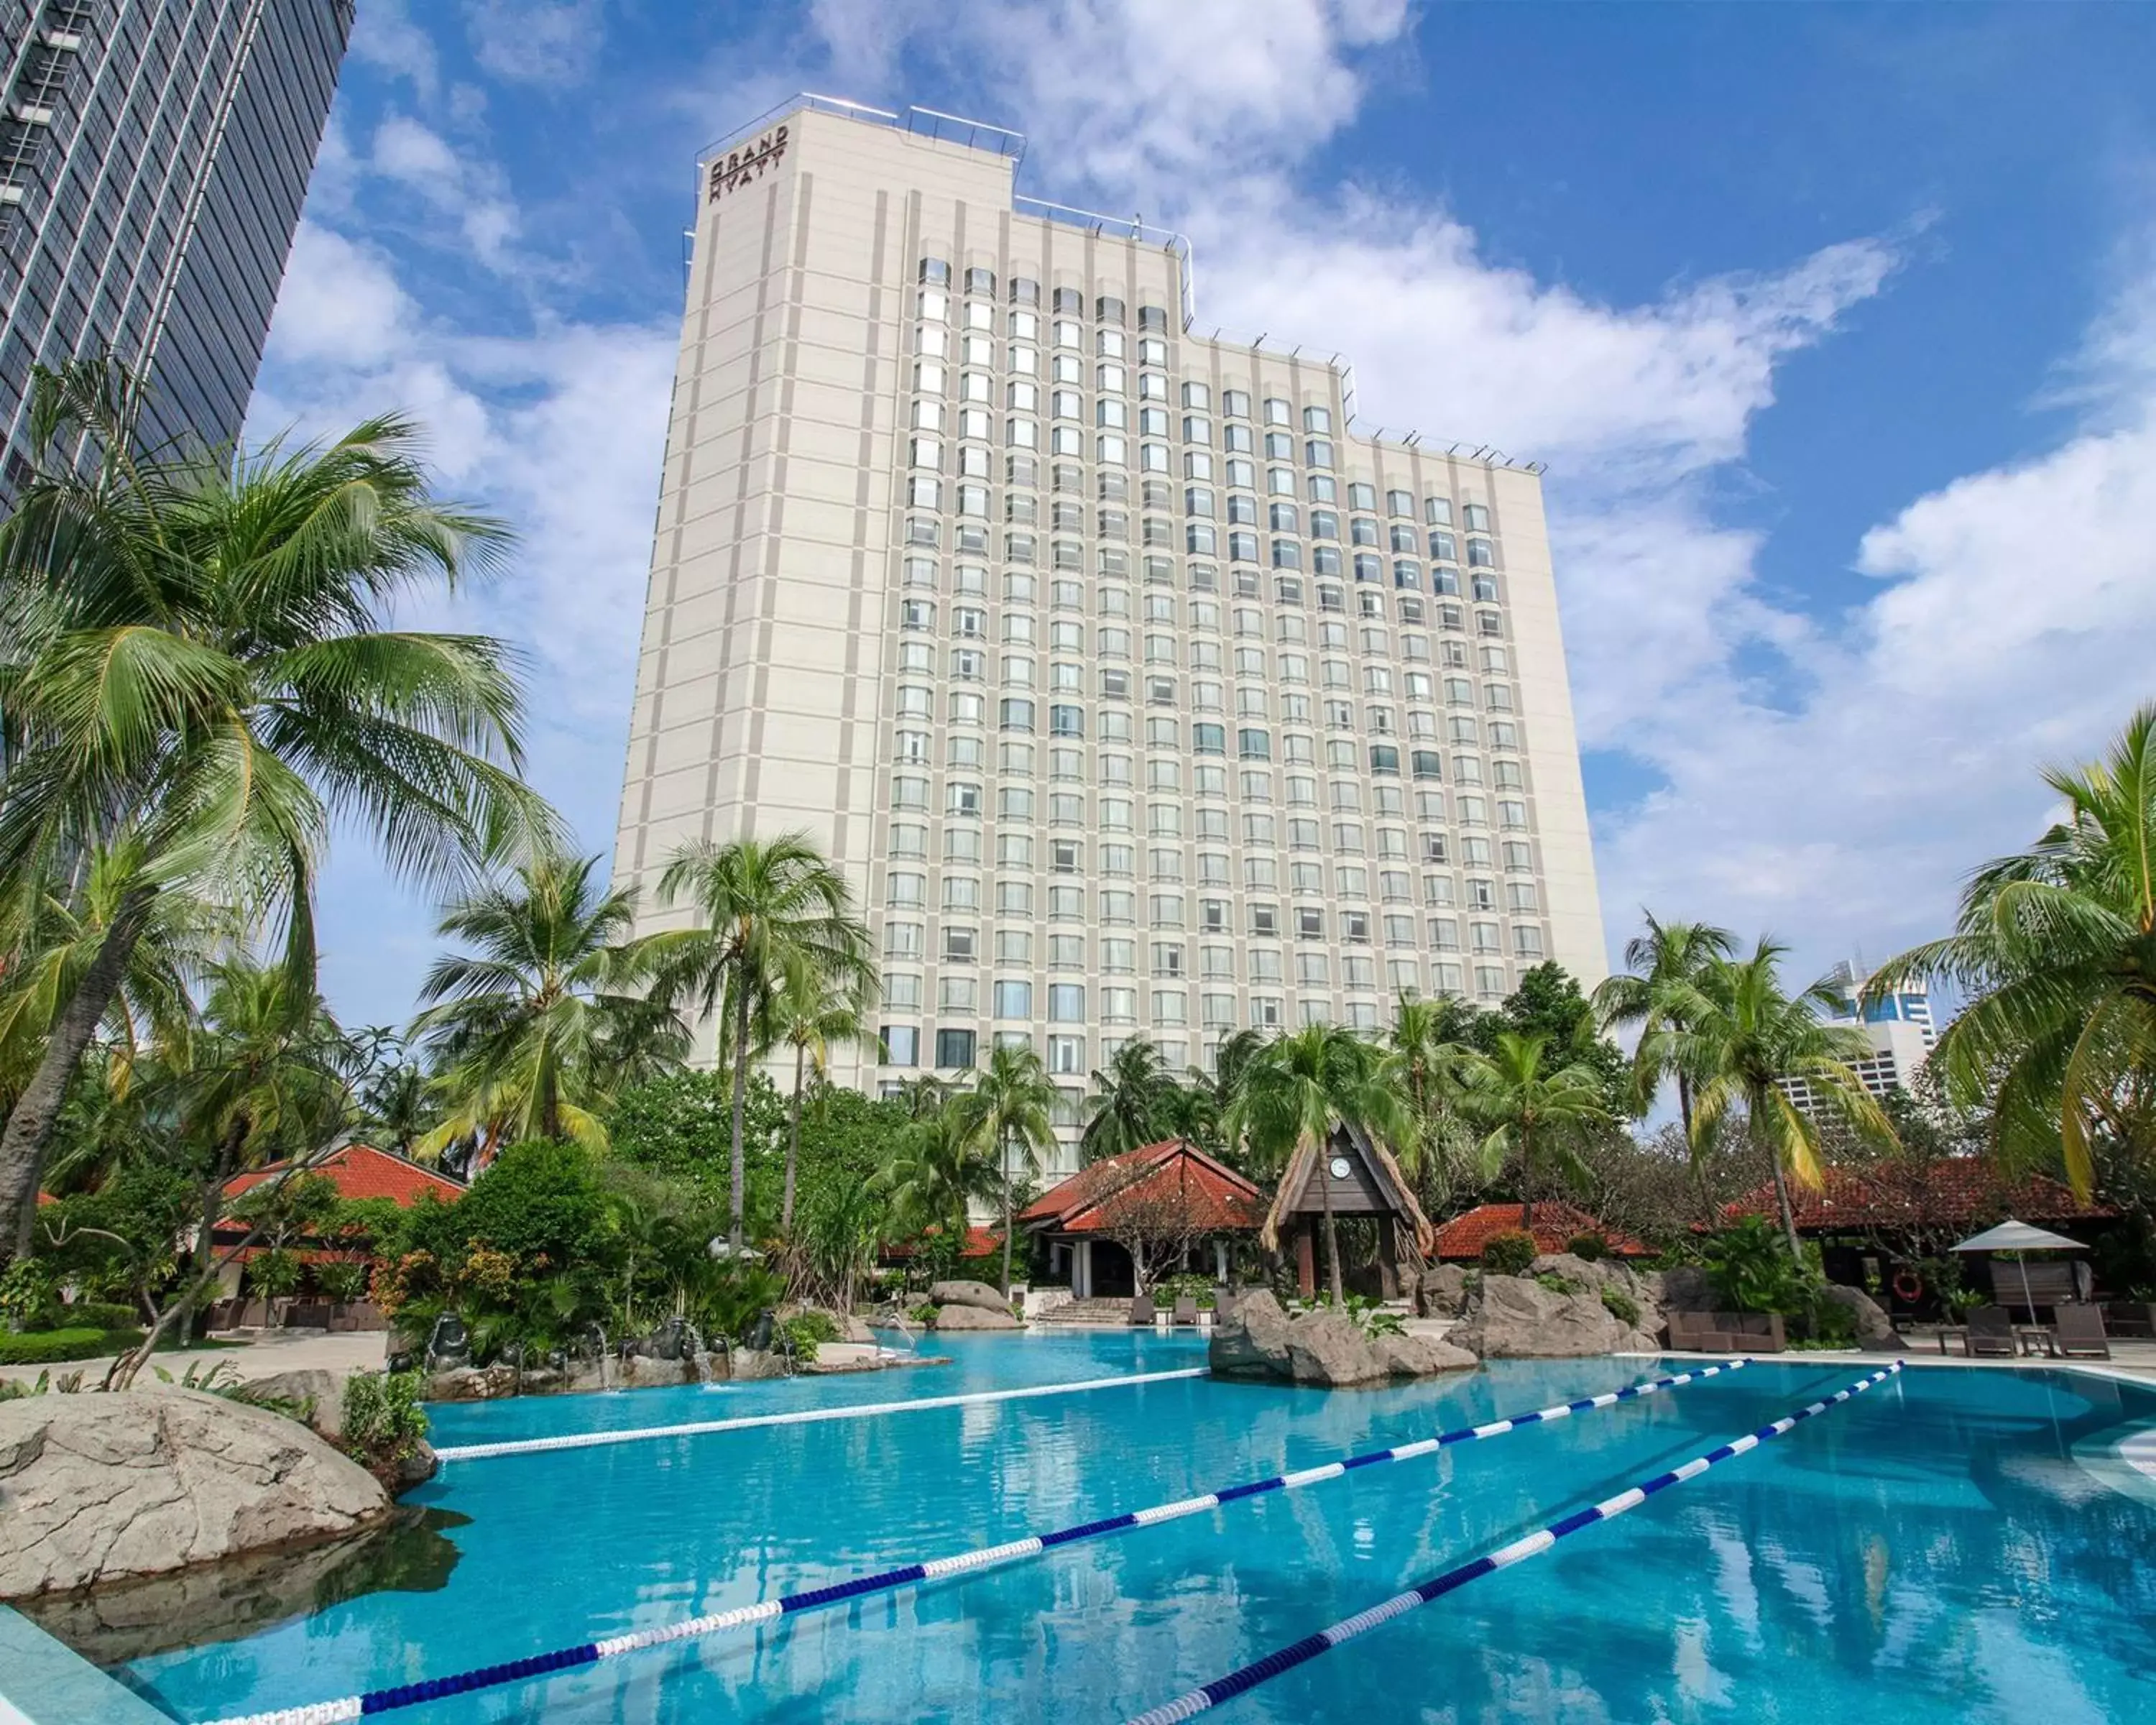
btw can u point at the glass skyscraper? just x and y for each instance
(154, 155)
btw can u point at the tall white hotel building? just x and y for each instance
(1134, 691)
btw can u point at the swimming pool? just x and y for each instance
(1937, 1550)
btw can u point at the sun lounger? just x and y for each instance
(1990, 1333)
(1142, 1309)
(1223, 1305)
(1728, 1332)
(2077, 1333)
(1186, 1309)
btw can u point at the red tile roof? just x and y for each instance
(361, 1171)
(1090, 1202)
(1555, 1224)
(980, 1243)
(1950, 1191)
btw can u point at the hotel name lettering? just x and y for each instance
(737, 168)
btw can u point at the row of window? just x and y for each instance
(916, 657)
(955, 1048)
(1017, 804)
(1308, 922)
(1023, 290)
(905, 941)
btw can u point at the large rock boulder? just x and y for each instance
(1515, 1319)
(1324, 1348)
(472, 1384)
(103, 1488)
(315, 1398)
(969, 1293)
(1874, 1329)
(1252, 1342)
(962, 1316)
(1442, 1291)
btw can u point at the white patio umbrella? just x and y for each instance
(2013, 1236)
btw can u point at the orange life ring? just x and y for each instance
(1909, 1285)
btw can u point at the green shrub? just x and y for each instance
(1557, 1284)
(1171, 1288)
(382, 1421)
(27, 1300)
(808, 1330)
(1622, 1307)
(343, 1282)
(1749, 1268)
(39, 1347)
(1508, 1253)
(1589, 1248)
(923, 1313)
(98, 1314)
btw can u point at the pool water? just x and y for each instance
(1937, 1550)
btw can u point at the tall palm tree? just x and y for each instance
(1012, 1108)
(1743, 1036)
(1127, 1098)
(1661, 964)
(547, 1018)
(2054, 950)
(1533, 1102)
(936, 1166)
(192, 658)
(810, 1012)
(1423, 1051)
(766, 904)
(1297, 1090)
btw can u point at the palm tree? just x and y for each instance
(1012, 1108)
(1423, 1051)
(2054, 950)
(1664, 962)
(937, 1166)
(547, 1020)
(766, 904)
(1531, 1106)
(1127, 1098)
(192, 660)
(810, 1012)
(398, 1106)
(1297, 1091)
(1743, 1036)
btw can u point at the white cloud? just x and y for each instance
(385, 36)
(545, 42)
(460, 184)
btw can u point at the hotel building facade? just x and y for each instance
(1135, 693)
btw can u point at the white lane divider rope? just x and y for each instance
(801, 1416)
(1285, 1659)
(517, 1670)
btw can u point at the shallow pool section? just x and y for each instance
(1933, 1551)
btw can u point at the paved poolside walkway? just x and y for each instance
(262, 1353)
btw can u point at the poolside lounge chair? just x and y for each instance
(1186, 1309)
(1990, 1333)
(1141, 1310)
(1728, 1332)
(2078, 1333)
(1223, 1305)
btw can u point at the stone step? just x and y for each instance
(1089, 1312)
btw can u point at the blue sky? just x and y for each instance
(1836, 324)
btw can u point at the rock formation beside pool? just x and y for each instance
(970, 1305)
(103, 1488)
(1510, 1317)
(1324, 1348)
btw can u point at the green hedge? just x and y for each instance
(98, 1314)
(46, 1348)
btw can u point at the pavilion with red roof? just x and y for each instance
(1556, 1224)
(1171, 1190)
(356, 1171)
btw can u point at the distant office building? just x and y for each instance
(1911, 1003)
(1137, 691)
(154, 155)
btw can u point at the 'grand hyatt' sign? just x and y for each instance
(737, 168)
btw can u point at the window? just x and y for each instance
(954, 1048)
(901, 1045)
(1318, 419)
(1066, 1055)
(1254, 745)
(1014, 1000)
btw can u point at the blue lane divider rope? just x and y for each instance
(382, 1701)
(1286, 1659)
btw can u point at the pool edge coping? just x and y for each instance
(47, 1683)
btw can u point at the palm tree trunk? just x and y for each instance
(737, 1193)
(28, 1137)
(1331, 1231)
(793, 1142)
(1693, 1150)
(1788, 1214)
(1526, 1182)
(1003, 1158)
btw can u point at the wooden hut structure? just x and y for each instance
(1354, 1176)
